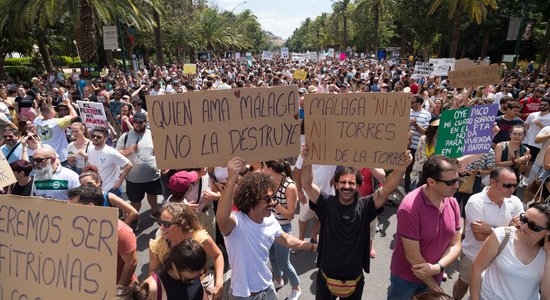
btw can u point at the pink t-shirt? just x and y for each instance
(418, 219)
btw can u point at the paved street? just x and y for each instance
(376, 283)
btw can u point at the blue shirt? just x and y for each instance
(16, 155)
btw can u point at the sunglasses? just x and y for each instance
(31, 137)
(268, 198)
(509, 185)
(166, 224)
(139, 122)
(38, 160)
(450, 182)
(8, 136)
(536, 228)
(97, 137)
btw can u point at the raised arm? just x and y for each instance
(312, 191)
(226, 222)
(392, 182)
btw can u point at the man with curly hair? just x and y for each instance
(250, 232)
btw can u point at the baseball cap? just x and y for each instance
(140, 117)
(181, 181)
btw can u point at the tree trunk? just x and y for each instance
(109, 57)
(85, 34)
(455, 33)
(375, 26)
(3, 74)
(44, 52)
(545, 50)
(158, 41)
(345, 32)
(485, 42)
(441, 47)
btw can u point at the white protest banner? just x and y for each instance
(330, 52)
(110, 38)
(248, 55)
(267, 55)
(6, 173)
(53, 250)
(442, 66)
(284, 53)
(359, 129)
(313, 56)
(92, 114)
(208, 128)
(423, 68)
(297, 56)
(322, 55)
(237, 55)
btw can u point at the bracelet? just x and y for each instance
(311, 247)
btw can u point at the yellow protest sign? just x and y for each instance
(474, 76)
(53, 250)
(189, 69)
(208, 128)
(357, 129)
(6, 174)
(300, 74)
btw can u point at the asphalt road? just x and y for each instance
(376, 283)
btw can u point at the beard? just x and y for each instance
(45, 173)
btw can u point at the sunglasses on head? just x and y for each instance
(536, 228)
(166, 224)
(450, 182)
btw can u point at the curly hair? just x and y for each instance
(184, 216)
(251, 187)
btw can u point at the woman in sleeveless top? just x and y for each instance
(514, 262)
(179, 278)
(287, 197)
(178, 223)
(78, 149)
(512, 153)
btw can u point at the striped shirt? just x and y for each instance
(280, 195)
(423, 120)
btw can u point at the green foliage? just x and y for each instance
(28, 61)
(23, 72)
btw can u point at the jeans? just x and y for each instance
(404, 290)
(279, 257)
(267, 294)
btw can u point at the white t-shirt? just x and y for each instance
(480, 207)
(540, 158)
(108, 162)
(507, 277)
(535, 129)
(248, 251)
(52, 132)
(63, 179)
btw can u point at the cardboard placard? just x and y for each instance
(423, 68)
(189, 69)
(442, 66)
(474, 77)
(357, 129)
(466, 130)
(208, 128)
(299, 74)
(92, 114)
(54, 250)
(6, 173)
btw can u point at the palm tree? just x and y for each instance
(476, 9)
(213, 31)
(340, 12)
(378, 7)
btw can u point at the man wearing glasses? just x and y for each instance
(428, 231)
(51, 179)
(495, 206)
(12, 148)
(144, 177)
(108, 162)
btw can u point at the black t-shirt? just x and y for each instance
(26, 101)
(22, 190)
(176, 289)
(344, 236)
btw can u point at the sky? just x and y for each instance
(280, 17)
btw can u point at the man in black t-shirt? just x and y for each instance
(345, 224)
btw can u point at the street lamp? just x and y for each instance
(244, 2)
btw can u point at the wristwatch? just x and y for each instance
(441, 267)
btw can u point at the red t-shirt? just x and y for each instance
(529, 105)
(414, 88)
(126, 245)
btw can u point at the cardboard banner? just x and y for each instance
(208, 128)
(92, 114)
(466, 130)
(474, 77)
(267, 55)
(423, 68)
(6, 173)
(300, 74)
(53, 250)
(359, 129)
(442, 66)
(189, 69)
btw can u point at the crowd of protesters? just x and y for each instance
(244, 209)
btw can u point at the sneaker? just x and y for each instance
(294, 294)
(278, 284)
(135, 225)
(155, 215)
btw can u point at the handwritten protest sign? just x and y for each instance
(92, 114)
(210, 127)
(300, 74)
(53, 250)
(189, 69)
(322, 55)
(423, 68)
(466, 130)
(267, 55)
(284, 53)
(361, 129)
(442, 66)
(6, 174)
(313, 56)
(342, 56)
(330, 52)
(474, 77)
